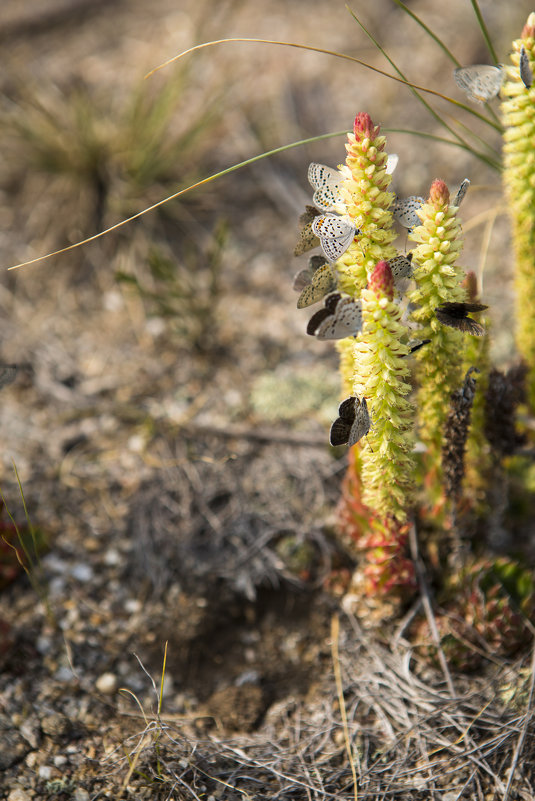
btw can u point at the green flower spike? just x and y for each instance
(381, 373)
(438, 281)
(519, 179)
(366, 201)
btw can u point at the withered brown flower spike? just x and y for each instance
(504, 392)
(455, 315)
(456, 433)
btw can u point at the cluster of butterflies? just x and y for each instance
(482, 82)
(341, 315)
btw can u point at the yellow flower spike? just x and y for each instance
(438, 280)
(366, 201)
(519, 181)
(381, 368)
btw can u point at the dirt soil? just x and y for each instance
(177, 464)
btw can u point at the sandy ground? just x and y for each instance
(181, 487)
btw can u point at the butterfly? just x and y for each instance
(8, 373)
(353, 422)
(321, 283)
(481, 82)
(401, 266)
(335, 234)
(307, 238)
(404, 211)
(456, 316)
(459, 197)
(525, 68)
(326, 183)
(304, 276)
(414, 346)
(340, 317)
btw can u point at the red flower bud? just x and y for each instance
(382, 281)
(439, 193)
(363, 127)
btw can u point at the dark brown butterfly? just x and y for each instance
(456, 316)
(352, 424)
(307, 239)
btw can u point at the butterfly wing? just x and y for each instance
(345, 321)
(391, 163)
(480, 82)
(322, 282)
(307, 238)
(302, 279)
(459, 197)
(405, 211)
(341, 427)
(401, 266)
(361, 424)
(525, 68)
(326, 183)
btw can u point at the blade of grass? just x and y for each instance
(484, 30)
(429, 32)
(415, 90)
(323, 50)
(204, 181)
(442, 46)
(494, 164)
(351, 755)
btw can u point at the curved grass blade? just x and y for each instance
(442, 46)
(415, 89)
(310, 48)
(484, 31)
(428, 30)
(181, 192)
(481, 156)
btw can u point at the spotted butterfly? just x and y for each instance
(404, 211)
(335, 234)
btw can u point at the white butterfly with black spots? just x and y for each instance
(335, 234)
(326, 183)
(404, 211)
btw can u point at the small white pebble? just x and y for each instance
(106, 683)
(18, 795)
(60, 761)
(82, 572)
(45, 772)
(133, 605)
(112, 557)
